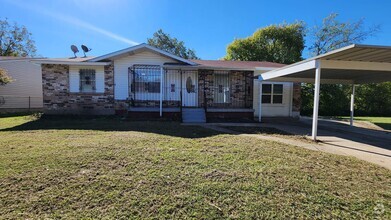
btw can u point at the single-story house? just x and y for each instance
(25, 90)
(143, 81)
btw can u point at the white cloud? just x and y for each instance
(72, 20)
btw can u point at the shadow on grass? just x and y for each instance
(113, 123)
(257, 130)
(386, 126)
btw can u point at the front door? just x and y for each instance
(189, 89)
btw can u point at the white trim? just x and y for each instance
(266, 68)
(291, 100)
(355, 65)
(70, 63)
(316, 101)
(311, 80)
(352, 104)
(260, 102)
(205, 68)
(137, 47)
(19, 60)
(288, 70)
(161, 91)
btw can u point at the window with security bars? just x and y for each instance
(87, 80)
(272, 93)
(222, 90)
(146, 79)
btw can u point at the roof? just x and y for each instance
(8, 58)
(140, 47)
(184, 63)
(69, 59)
(82, 61)
(359, 52)
(355, 63)
(233, 64)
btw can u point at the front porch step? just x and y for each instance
(193, 115)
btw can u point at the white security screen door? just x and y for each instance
(189, 89)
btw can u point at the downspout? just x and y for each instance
(161, 91)
(260, 99)
(352, 105)
(180, 93)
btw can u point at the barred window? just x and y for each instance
(146, 79)
(272, 93)
(87, 80)
(222, 92)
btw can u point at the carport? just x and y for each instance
(354, 64)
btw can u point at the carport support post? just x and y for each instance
(260, 101)
(161, 92)
(352, 105)
(316, 101)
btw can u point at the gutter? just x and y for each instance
(72, 63)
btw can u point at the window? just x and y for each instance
(222, 89)
(272, 93)
(146, 79)
(87, 80)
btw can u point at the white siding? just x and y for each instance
(121, 65)
(274, 110)
(172, 78)
(27, 82)
(74, 78)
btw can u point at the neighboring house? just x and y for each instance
(25, 90)
(143, 81)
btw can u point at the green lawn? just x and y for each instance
(78, 168)
(384, 122)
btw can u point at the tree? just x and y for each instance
(282, 43)
(4, 78)
(373, 99)
(15, 40)
(331, 35)
(171, 45)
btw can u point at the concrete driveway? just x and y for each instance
(339, 138)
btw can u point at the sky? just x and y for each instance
(207, 26)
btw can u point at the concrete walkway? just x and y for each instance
(334, 137)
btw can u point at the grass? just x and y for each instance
(383, 122)
(112, 168)
(268, 131)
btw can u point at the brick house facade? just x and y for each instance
(227, 87)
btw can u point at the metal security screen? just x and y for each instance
(222, 88)
(87, 80)
(145, 83)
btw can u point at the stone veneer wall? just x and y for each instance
(57, 98)
(296, 102)
(241, 89)
(241, 83)
(206, 86)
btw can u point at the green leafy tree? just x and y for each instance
(4, 78)
(281, 43)
(330, 35)
(373, 99)
(171, 45)
(333, 34)
(15, 40)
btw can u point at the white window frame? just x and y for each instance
(272, 94)
(93, 81)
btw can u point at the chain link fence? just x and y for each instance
(15, 103)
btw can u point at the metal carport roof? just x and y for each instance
(354, 64)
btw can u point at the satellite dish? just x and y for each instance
(74, 50)
(85, 49)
